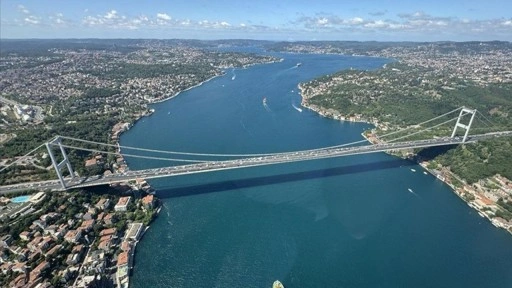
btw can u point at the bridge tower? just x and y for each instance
(64, 163)
(464, 111)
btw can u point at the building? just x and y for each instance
(6, 240)
(25, 235)
(38, 197)
(122, 204)
(148, 201)
(107, 232)
(103, 204)
(73, 235)
(134, 231)
(123, 269)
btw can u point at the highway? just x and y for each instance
(203, 167)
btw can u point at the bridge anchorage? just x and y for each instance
(57, 141)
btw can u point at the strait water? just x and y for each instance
(347, 222)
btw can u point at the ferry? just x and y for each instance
(277, 284)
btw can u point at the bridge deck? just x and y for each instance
(249, 162)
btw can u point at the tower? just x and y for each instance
(462, 113)
(57, 141)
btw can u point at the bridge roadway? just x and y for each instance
(279, 158)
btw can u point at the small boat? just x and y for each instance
(264, 100)
(413, 170)
(410, 190)
(277, 284)
(299, 64)
(425, 173)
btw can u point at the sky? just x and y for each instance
(383, 20)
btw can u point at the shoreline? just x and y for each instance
(157, 212)
(322, 112)
(184, 90)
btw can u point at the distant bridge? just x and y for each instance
(240, 160)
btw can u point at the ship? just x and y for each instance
(264, 100)
(277, 284)
(299, 64)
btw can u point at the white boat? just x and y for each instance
(410, 190)
(413, 170)
(424, 172)
(277, 284)
(264, 100)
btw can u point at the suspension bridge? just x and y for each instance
(208, 162)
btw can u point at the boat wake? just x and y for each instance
(297, 108)
(412, 192)
(265, 104)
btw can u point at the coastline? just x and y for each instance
(339, 117)
(157, 211)
(186, 89)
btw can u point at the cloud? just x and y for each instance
(32, 20)
(58, 20)
(355, 21)
(23, 10)
(111, 15)
(163, 16)
(415, 23)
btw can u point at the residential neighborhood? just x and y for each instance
(77, 238)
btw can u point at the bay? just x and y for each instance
(346, 222)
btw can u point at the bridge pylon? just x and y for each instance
(464, 111)
(64, 163)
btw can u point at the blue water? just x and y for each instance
(20, 199)
(347, 222)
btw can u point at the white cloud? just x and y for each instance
(163, 16)
(376, 24)
(322, 21)
(356, 21)
(111, 15)
(32, 20)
